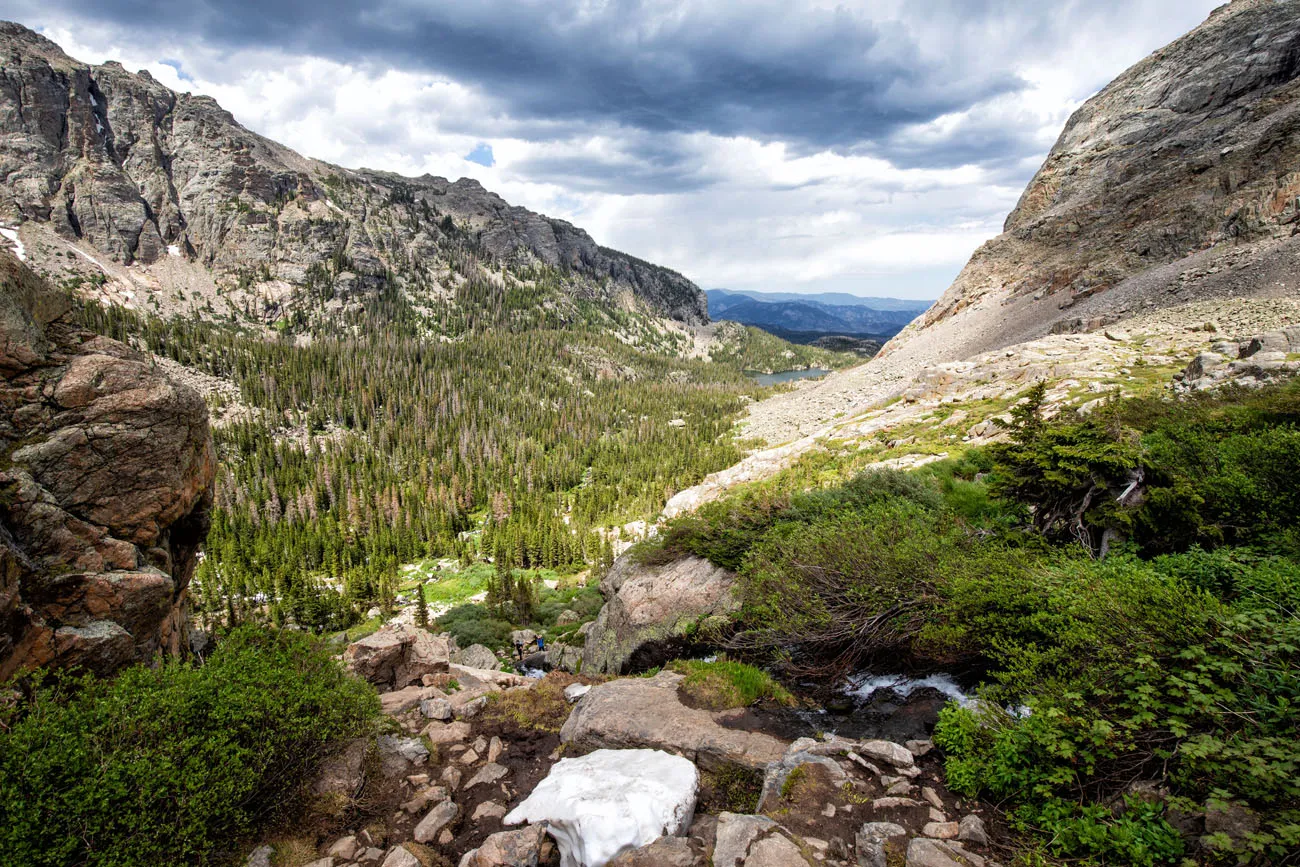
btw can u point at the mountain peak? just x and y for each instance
(115, 161)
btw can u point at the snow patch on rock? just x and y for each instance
(11, 235)
(611, 801)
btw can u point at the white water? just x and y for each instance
(864, 685)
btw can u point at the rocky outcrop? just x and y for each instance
(647, 712)
(143, 174)
(651, 609)
(1251, 362)
(398, 656)
(106, 468)
(1195, 148)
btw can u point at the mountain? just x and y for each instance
(840, 299)
(1179, 181)
(794, 317)
(1170, 201)
(138, 175)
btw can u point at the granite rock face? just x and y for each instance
(649, 607)
(107, 477)
(141, 173)
(1194, 149)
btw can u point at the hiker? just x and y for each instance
(541, 644)
(519, 649)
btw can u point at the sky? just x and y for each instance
(771, 145)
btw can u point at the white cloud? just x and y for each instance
(897, 216)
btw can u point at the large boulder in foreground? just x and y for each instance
(611, 801)
(106, 472)
(398, 656)
(647, 712)
(649, 607)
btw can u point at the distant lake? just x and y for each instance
(788, 376)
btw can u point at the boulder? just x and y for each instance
(971, 830)
(397, 656)
(438, 818)
(664, 852)
(341, 777)
(925, 852)
(478, 656)
(402, 700)
(611, 801)
(107, 478)
(871, 840)
(735, 834)
(776, 851)
(400, 856)
(520, 848)
(649, 606)
(646, 712)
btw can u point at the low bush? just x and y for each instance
(476, 624)
(174, 764)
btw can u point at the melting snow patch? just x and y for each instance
(11, 235)
(94, 102)
(611, 801)
(173, 250)
(864, 685)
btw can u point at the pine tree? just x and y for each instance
(421, 607)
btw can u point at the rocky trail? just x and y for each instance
(486, 768)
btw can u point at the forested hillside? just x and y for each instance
(512, 418)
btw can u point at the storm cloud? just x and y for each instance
(678, 130)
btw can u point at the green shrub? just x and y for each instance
(475, 624)
(175, 764)
(843, 589)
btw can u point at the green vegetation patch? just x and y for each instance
(724, 684)
(174, 764)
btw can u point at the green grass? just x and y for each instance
(725, 684)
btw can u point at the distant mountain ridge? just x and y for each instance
(803, 318)
(150, 178)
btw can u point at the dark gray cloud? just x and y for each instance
(812, 78)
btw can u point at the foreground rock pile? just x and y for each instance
(631, 778)
(106, 471)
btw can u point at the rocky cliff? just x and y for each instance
(1177, 187)
(142, 174)
(1184, 167)
(106, 472)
